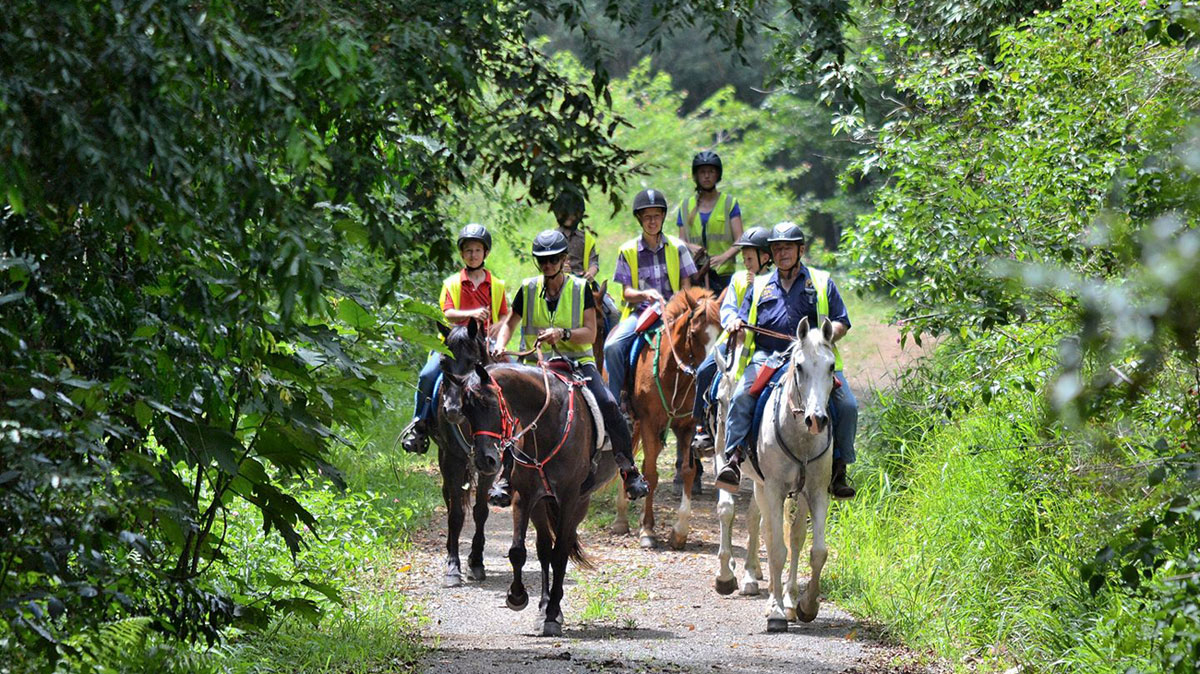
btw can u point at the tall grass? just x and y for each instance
(967, 535)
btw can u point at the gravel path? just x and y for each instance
(637, 610)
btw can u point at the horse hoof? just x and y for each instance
(726, 586)
(807, 617)
(551, 628)
(648, 542)
(749, 589)
(517, 603)
(678, 542)
(452, 580)
(478, 573)
(620, 528)
(777, 624)
(790, 614)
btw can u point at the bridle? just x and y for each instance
(511, 434)
(682, 366)
(789, 392)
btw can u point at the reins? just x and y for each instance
(795, 382)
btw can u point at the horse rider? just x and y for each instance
(711, 219)
(756, 255)
(651, 268)
(582, 257)
(777, 303)
(472, 292)
(555, 313)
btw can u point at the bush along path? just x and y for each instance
(636, 610)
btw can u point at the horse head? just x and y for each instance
(468, 348)
(811, 374)
(701, 314)
(484, 409)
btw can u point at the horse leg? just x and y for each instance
(518, 598)
(545, 550)
(621, 523)
(726, 583)
(453, 495)
(651, 447)
(564, 543)
(752, 568)
(687, 464)
(799, 526)
(480, 514)
(770, 502)
(810, 604)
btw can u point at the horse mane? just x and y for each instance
(684, 301)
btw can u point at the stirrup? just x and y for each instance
(635, 485)
(702, 444)
(730, 477)
(413, 439)
(498, 494)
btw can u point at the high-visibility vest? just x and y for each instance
(738, 285)
(452, 288)
(568, 314)
(629, 252)
(820, 281)
(716, 235)
(589, 242)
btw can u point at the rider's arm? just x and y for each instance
(735, 228)
(460, 315)
(687, 268)
(837, 312)
(729, 307)
(682, 226)
(587, 333)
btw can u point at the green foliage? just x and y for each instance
(1013, 160)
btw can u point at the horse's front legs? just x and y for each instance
(810, 603)
(545, 551)
(480, 513)
(454, 497)
(518, 598)
(797, 530)
(770, 502)
(726, 583)
(651, 448)
(752, 568)
(564, 543)
(687, 467)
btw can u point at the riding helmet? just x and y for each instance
(786, 232)
(649, 198)
(548, 243)
(475, 232)
(568, 203)
(755, 237)
(707, 158)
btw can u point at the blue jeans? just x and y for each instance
(704, 379)
(741, 412)
(616, 355)
(423, 404)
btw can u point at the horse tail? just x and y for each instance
(576, 553)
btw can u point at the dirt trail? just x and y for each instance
(642, 610)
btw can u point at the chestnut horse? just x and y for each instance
(544, 420)
(468, 346)
(664, 387)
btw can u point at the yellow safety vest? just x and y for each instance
(741, 281)
(719, 236)
(820, 280)
(589, 242)
(568, 314)
(629, 252)
(452, 288)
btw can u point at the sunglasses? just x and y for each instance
(544, 261)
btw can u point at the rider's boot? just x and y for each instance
(635, 484)
(416, 437)
(702, 442)
(500, 495)
(837, 485)
(730, 477)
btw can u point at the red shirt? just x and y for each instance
(475, 296)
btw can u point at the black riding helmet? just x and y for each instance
(568, 203)
(707, 158)
(548, 243)
(755, 237)
(649, 198)
(786, 232)
(475, 232)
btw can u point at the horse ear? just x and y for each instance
(472, 328)
(604, 287)
(443, 329)
(802, 329)
(480, 370)
(827, 328)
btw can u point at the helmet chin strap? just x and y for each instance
(475, 268)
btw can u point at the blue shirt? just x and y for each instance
(781, 311)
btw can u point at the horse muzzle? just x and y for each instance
(487, 461)
(816, 423)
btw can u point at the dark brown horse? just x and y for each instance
(543, 419)
(664, 387)
(452, 435)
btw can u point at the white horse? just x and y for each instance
(726, 505)
(795, 456)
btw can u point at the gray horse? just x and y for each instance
(795, 456)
